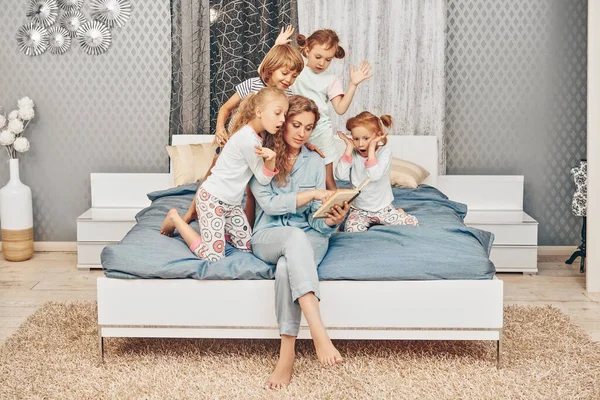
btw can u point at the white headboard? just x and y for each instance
(128, 190)
(421, 150)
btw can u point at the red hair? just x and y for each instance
(371, 122)
(324, 37)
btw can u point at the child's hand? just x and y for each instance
(337, 214)
(284, 35)
(376, 139)
(265, 152)
(322, 194)
(361, 73)
(314, 148)
(346, 139)
(221, 135)
(349, 143)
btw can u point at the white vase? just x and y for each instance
(16, 217)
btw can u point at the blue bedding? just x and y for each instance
(442, 247)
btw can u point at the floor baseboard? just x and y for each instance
(53, 246)
(556, 250)
(72, 247)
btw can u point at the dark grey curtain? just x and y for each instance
(241, 33)
(190, 52)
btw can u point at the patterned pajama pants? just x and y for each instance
(220, 222)
(360, 220)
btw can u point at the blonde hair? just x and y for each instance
(248, 106)
(371, 122)
(326, 37)
(298, 105)
(280, 56)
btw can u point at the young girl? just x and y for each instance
(366, 158)
(322, 86)
(279, 69)
(219, 198)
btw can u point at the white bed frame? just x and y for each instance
(375, 310)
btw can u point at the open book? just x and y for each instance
(339, 197)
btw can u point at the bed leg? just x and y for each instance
(499, 352)
(100, 346)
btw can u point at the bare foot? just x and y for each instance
(282, 374)
(168, 226)
(327, 353)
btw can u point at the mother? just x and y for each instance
(285, 234)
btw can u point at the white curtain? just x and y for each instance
(404, 42)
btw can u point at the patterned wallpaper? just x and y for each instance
(515, 104)
(516, 100)
(107, 113)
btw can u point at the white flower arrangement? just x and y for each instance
(13, 126)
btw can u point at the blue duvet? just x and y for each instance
(442, 247)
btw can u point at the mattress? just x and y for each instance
(442, 247)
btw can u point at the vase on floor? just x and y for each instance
(16, 217)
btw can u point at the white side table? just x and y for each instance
(516, 238)
(99, 227)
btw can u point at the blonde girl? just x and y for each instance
(218, 200)
(367, 157)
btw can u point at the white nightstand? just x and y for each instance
(495, 204)
(515, 243)
(99, 227)
(116, 199)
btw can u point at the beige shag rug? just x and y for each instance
(54, 355)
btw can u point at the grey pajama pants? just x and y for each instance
(296, 254)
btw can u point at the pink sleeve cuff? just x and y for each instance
(196, 243)
(268, 173)
(370, 163)
(346, 158)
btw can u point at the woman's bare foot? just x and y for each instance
(168, 226)
(282, 374)
(327, 354)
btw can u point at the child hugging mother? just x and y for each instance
(285, 233)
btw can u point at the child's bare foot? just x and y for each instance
(282, 374)
(326, 352)
(168, 226)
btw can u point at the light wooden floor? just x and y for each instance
(53, 276)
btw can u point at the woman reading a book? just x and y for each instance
(287, 235)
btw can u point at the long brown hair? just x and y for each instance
(324, 37)
(247, 109)
(371, 122)
(298, 105)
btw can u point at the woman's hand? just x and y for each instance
(314, 148)
(265, 152)
(337, 214)
(284, 35)
(221, 135)
(321, 194)
(361, 73)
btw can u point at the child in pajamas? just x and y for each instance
(279, 69)
(322, 86)
(219, 198)
(366, 158)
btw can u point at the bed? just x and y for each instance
(434, 282)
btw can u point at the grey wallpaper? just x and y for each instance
(515, 104)
(107, 113)
(516, 100)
